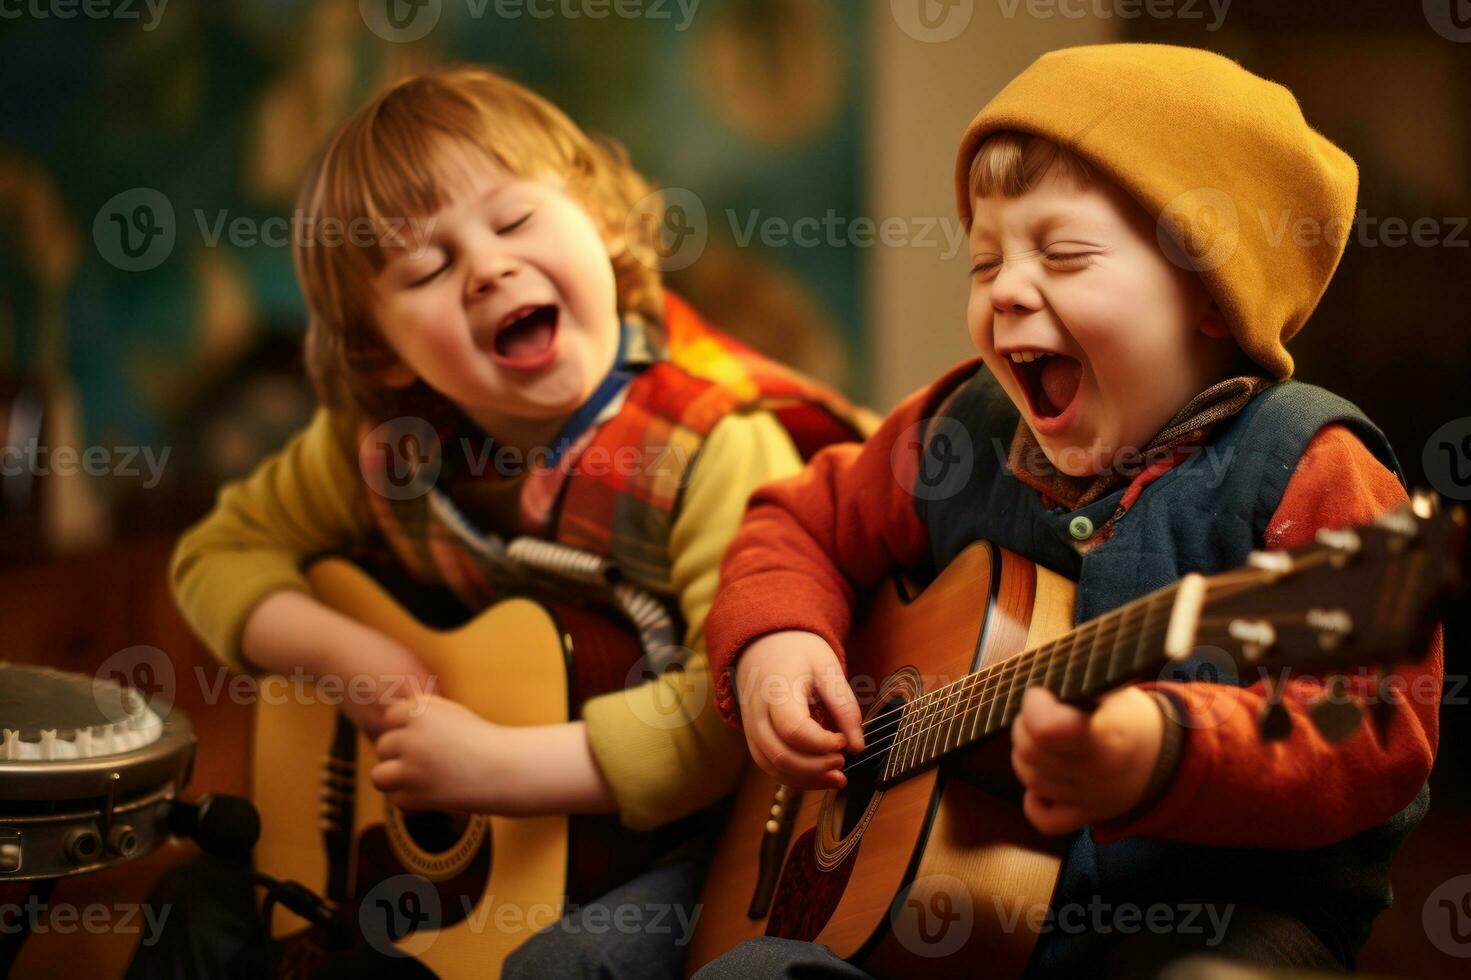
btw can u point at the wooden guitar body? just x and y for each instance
(497, 879)
(936, 874)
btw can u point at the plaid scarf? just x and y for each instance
(612, 488)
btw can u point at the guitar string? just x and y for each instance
(1091, 624)
(976, 701)
(975, 698)
(977, 691)
(1226, 584)
(1004, 673)
(1248, 577)
(878, 753)
(1006, 670)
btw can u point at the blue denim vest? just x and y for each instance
(1204, 515)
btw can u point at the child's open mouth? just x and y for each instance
(1050, 381)
(525, 339)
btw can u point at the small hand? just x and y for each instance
(437, 754)
(778, 678)
(1080, 768)
(374, 679)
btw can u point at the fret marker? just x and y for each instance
(1185, 616)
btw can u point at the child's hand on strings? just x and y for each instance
(778, 678)
(437, 754)
(1079, 767)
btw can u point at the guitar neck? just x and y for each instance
(1133, 640)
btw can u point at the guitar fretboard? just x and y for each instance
(1097, 656)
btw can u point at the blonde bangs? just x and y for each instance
(1010, 164)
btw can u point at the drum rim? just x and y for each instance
(164, 760)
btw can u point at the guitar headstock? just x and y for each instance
(1362, 597)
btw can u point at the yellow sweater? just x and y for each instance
(309, 499)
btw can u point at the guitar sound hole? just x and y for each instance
(436, 832)
(863, 771)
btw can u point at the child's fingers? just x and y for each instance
(1054, 727)
(794, 725)
(808, 771)
(389, 745)
(1043, 779)
(396, 714)
(837, 695)
(390, 776)
(827, 780)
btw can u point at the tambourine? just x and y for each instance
(88, 773)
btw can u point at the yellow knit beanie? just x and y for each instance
(1244, 191)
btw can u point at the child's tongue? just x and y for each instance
(1060, 377)
(528, 337)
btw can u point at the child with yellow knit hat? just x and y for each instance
(1131, 305)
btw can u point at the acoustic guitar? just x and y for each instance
(456, 892)
(911, 868)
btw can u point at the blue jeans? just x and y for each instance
(1256, 935)
(638, 930)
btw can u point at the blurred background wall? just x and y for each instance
(789, 134)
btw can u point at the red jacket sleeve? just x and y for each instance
(809, 545)
(1233, 789)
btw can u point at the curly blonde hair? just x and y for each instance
(385, 166)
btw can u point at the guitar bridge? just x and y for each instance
(774, 841)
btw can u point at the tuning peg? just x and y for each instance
(1333, 626)
(1401, 525)
(1344, 543)
(1335, 715)
(1278, 563)
(1274, 723)
(1255, 635)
